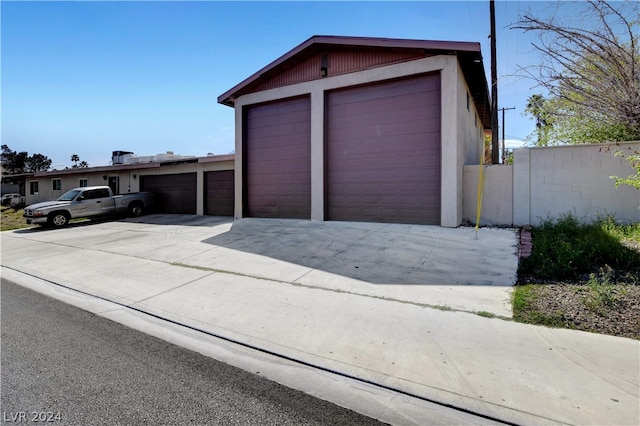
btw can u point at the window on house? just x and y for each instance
(83, 183)
(33, 188)
(57, 184)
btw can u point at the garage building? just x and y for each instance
(360, 129)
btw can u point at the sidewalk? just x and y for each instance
(354, 298)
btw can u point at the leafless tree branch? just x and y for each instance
(594, 66)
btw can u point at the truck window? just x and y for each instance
(102, 193)
(68, 196)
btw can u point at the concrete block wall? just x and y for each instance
(577, 179)
(549, 182)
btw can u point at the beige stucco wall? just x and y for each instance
(497, 194)
(470, 141)
(455, 141)
(129, 182)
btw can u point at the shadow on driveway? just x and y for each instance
(382, 253)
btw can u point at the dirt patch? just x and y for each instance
(612, 309)
(602, 294)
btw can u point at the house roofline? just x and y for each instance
(83, 170)
(133, 166)
(228, 97)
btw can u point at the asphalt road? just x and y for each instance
(62, 365)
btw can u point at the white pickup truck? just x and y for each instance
(86, 202)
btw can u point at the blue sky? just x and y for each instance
(88, 78)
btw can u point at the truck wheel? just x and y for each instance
(135, 209)
(58, 219)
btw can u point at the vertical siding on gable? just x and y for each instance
(340, 62)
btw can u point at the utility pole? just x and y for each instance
(494, 87)
(504, 151)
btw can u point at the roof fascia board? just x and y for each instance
(225, 97)
(86, 170)
(400, 43)
(216, 158)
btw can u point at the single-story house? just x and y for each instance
(360, 129)
(195, 185)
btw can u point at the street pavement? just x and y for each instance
(384, 319)
(88, 370)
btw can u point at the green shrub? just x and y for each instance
(567, 249)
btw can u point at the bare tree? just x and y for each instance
(591, 66)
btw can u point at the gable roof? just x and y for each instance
(468, 53)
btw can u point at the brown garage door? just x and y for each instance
(173, 193)
(383, 152)
(219, 193)
(278, 159)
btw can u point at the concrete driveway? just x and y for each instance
(452, 268)
(426, 265)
